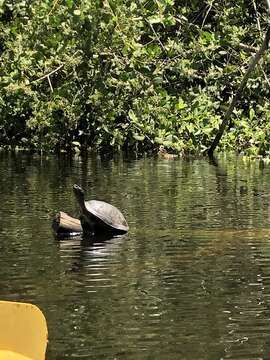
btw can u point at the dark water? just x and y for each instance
(191, 280)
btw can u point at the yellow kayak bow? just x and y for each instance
(23, 332)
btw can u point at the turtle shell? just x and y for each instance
(107, 213)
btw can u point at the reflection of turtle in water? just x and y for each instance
(98, 216)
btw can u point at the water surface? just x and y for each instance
(191, 279)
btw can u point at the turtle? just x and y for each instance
(99, 217)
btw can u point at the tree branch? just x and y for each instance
(49, 80)
(207, 13)
(248, 47)
(157, 37)
(50, 73)
(265, 76)
(54, 5)
(257, 17)
(268, 5)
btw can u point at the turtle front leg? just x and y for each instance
(87, 228)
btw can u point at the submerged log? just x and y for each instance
(64, 224)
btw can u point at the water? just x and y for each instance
(191, 279)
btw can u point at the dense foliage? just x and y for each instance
(131, 74)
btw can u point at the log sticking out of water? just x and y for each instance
(64, 224)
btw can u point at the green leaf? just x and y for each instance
(180, 105)
(155, 19)
(251, 114)
(133, 6)
(158, 80)
(132, 116)
(139, 137)
(159, 140)
(69, 3)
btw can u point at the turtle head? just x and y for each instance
(79, 193)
